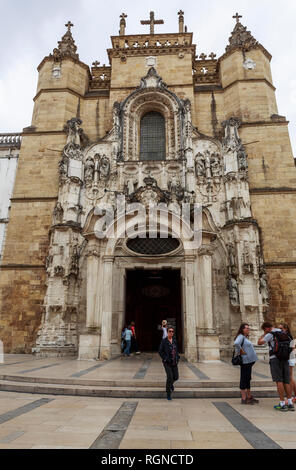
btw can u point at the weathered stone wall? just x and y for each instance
(245, 94)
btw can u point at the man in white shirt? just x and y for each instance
(279, 368)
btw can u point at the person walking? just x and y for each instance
(168, 351)
(245, 348)
(286, 329)
(279, 368)
(134, 344)
(128, 338)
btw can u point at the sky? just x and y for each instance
(30, 30)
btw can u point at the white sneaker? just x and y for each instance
(138, 352)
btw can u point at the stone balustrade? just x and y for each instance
(10, 140)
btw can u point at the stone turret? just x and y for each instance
(58, 84)
(246, 77)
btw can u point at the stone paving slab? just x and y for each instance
(76, 422)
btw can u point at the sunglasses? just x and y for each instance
(170, 331)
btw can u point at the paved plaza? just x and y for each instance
(71, 418)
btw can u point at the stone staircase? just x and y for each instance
(130, 388)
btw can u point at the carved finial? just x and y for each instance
(240, 37)
(181, 21)
(212, 55)
(152, 22)
(66, 47)
(237, 17)
(69, 25)
(96, 63)
(122, 24)
(203, 56)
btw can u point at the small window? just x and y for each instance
(152, 137)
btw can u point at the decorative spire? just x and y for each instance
(181, 21)
(122, 24)
(66, 47)
(240, 37)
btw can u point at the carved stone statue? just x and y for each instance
(242, 159)
(216, 169)
(58, 213)
(232, 287)
(89, 170)
(175, 187)
(104, 167)
(74, 262)
(200, 167)
(263, 289)
(73, 130)
(63, 165)
(231, 140)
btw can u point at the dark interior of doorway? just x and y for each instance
(153, 296)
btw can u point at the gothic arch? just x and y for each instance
(152, 95)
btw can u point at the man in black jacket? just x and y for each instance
(168, 351)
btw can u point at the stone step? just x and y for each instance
(131, 383)
(130, 392)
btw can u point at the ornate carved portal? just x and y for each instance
(223, 277)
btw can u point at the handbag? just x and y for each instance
(237, 360)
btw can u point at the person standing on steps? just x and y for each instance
(245, 348)
(168, 351)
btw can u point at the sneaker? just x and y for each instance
(291, 407)
(138, 352)
(247, 401)
(281, 408)
(169, 397)
(254, 400)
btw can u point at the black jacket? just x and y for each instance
(165, 351)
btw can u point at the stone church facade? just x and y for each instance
(159, 125)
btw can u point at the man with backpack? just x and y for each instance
(279, 353)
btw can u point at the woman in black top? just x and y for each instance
(168, 351)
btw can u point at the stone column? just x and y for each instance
(208, 340)
(89, 341)
(190, 309)
(106, 321)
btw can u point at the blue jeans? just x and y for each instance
(128, 348)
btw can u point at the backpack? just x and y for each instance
(281, 348)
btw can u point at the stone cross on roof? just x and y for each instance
(237, 17)
(69, 25)
(152, 22)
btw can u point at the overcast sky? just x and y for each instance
(29, 30)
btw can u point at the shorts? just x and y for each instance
(280, 371)
(292, 362)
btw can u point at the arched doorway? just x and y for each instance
(153, 295)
